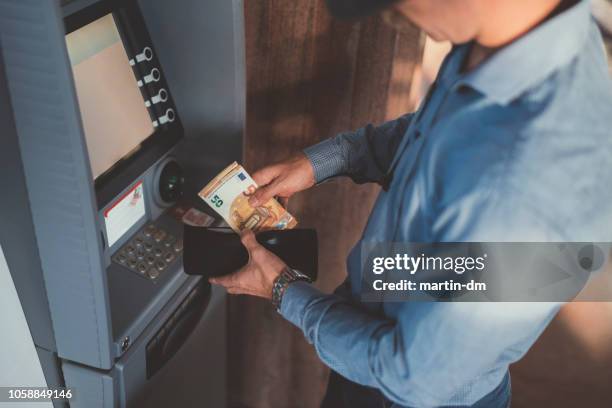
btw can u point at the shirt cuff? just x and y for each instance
(327, 159)
(295, 299)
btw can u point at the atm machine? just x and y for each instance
(113, 114)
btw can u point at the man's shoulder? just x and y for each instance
(542, 160)
(578, 96)
(532, 176)
(560, 129)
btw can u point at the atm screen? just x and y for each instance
(114, 115)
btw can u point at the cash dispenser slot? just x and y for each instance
(177, 328)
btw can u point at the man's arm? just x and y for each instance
(432, 351)
(429, 355)
(363, 155)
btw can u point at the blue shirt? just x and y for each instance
(518, 149)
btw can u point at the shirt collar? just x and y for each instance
(533, 57)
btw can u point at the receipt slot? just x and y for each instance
(111, 124)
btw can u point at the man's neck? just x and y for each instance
(507, 21)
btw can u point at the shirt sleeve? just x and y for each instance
(429, 356)
(363, 155)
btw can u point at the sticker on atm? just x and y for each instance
(124, 213)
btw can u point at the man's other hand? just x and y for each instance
(257, 277)
(283, 180)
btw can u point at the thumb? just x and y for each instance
(247, 237)
(263, 194)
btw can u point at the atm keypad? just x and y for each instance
(150, 252)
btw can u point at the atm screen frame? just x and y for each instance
(135, 36)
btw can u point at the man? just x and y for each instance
(512, 143)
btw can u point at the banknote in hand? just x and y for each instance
(228, 194)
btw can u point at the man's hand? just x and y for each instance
(257, 277)
(283, 180)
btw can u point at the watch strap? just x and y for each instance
(287, 276)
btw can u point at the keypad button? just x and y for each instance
(150, 252)
(142, 268)
(159, 235)
(169, 257)
(150, 230)
(153, 273)
(178, 246)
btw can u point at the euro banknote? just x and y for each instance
(228, 194)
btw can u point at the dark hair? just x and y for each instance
(356, 8)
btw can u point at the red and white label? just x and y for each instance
(120, 216)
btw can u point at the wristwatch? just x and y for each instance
(287, 276)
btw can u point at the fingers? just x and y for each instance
(226, 281)
(247, 237)
(235, 280)
(257, 277)
(232, 282)
(266, 175)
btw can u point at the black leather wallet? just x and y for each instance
(218, 251)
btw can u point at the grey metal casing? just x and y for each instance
(201, 46)
(18, 241)
(58, 178)
(16, 228)
(68, 292)
(194, 377)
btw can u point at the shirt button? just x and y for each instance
(417, 134)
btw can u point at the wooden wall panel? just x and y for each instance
(308, 78)
(570, 365)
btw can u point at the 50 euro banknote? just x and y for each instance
(228, 194)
